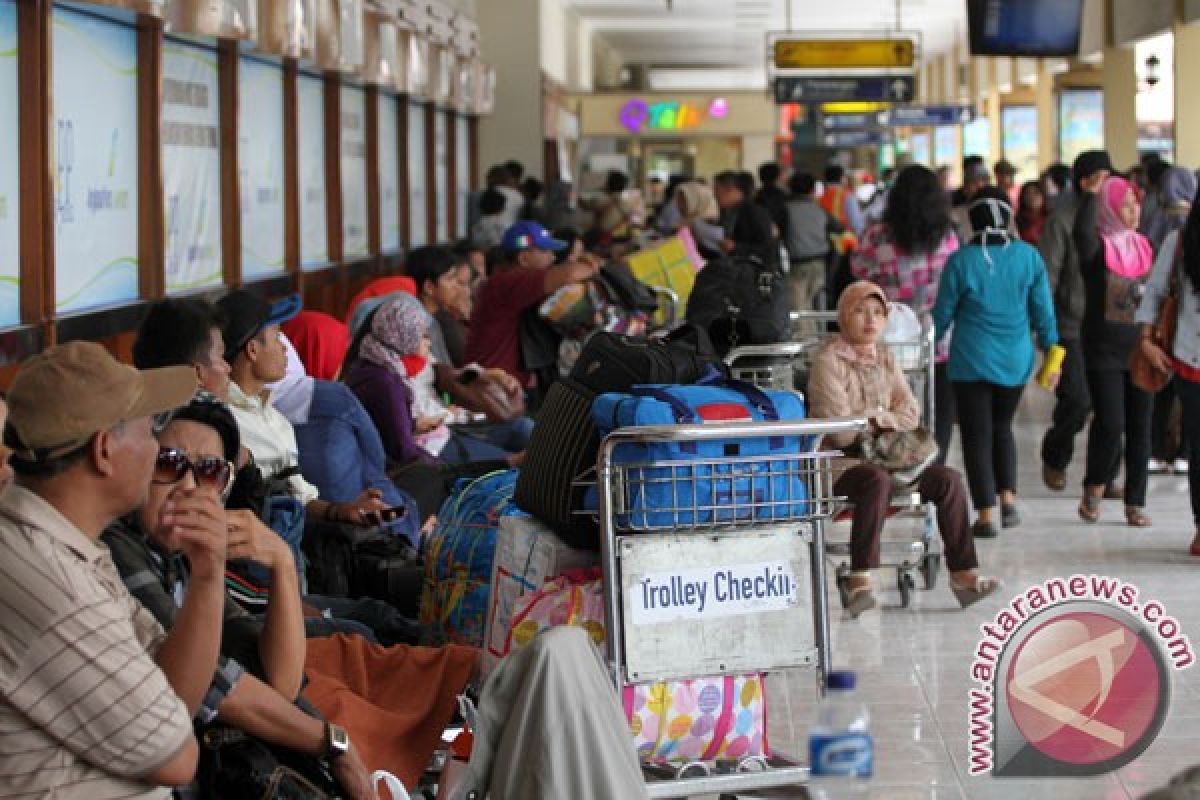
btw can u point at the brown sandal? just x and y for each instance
(1137, 518)
(1089, 508)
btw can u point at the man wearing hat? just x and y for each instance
(86, 674)
(528, 278)
(1057, 246)
(256, 356)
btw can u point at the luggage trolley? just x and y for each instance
(718, 529)
(916, 357)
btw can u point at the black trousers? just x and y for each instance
(1167, 443)
(985, 415)
(1070, 412)
(1189, 395)
(1119, 409)
(943, 411)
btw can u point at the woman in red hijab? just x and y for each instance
(321, 342)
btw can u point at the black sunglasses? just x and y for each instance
(212, 473)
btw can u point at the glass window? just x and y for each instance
(10, 178)
(94, 161)
(920, 149)
(354, 173)
(417, 210)
(1080, 122)
(977, 138)
(441, 174)
(389, 174)
(310, 133)
(260, 166)
(462, 172)
(191, 166)
(1019, 128)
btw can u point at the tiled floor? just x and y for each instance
(913, 663)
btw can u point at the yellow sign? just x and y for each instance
(844, 53)
(854, 107)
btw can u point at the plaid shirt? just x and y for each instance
(159, 581)
(908, 278)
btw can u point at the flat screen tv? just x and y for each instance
(1034, 28)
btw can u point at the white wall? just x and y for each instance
(757, 150)
(552, 40)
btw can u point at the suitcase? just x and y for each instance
(565, 441)
(690, 483)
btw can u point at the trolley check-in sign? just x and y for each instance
(710, 592)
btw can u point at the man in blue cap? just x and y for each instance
(525, 281)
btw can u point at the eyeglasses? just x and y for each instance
(212, 473)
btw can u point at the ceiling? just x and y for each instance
(723, 41)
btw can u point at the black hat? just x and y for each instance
(1089, 162)
(244, 314)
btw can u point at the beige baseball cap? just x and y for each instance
(63, 396)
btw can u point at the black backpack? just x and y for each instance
(565, 443)
(741, 299)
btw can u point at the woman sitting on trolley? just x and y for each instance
(854, 375)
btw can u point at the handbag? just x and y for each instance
(904, 454)
(1145, 374)
(234, 764)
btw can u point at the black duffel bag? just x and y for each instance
(565, 443)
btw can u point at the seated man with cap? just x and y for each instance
(95, 700)
(256, 356)
(529, 278)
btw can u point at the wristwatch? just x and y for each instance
(337, 743)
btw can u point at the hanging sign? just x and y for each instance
(844, 54)
(797, 89)
(931, 116)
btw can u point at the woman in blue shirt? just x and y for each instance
(993, 291)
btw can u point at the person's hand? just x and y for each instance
(197, 520)
(356, 510)
(426, 424)
(507, 382)
(1052, 380)
(727, 245)
(352, 776)
(1155, 354)
(250, 538)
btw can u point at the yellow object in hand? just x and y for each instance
(1052, 364)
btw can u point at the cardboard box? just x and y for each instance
(528, 554)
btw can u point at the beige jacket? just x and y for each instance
(840, 386)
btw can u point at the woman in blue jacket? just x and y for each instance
(993, 291)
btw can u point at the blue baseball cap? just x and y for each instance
(525, 235)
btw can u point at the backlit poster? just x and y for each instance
(1019, 128)
(462, 172)
(260, 166)
(945, 146)
(354, 173)
(191, 166)
(10, 178)
(920, 149)
(1080, 122)
(417, 210)
(310, 140)
(93, 142)
(977, 138)
(389, 174)
(442, 174)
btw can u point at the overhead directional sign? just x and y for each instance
(921, 116)
(849, 122)
(853, 138)
(844, 54)
(879, 88)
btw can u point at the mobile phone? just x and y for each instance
(385, 515)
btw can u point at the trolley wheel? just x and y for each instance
(931, 564)
(842, 579)
(905, 583)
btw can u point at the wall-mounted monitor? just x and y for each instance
(1034, 28)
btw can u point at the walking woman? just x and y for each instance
(994, 291)
(1184, 357)
(905, 254)
(1115, 261)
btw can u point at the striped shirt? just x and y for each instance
(84, 710)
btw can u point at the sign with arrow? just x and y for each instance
(923, 116)
(879, 88)
(853, 138)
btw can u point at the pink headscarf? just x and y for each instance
(1126, 252)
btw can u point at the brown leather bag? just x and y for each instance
(1144, 374)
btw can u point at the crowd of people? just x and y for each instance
(162, 522)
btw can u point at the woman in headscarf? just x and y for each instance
(993, 291)
(320, 341)
(854, 375)
(698, 208)
(1175, 191)
(1115, 262)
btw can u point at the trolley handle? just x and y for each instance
(777, 350)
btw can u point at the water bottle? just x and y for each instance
(840, 750)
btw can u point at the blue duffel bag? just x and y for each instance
(680, 484)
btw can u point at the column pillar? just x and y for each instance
(1187, 110)
(1120, 105)
(1047, 115)
(514, 129)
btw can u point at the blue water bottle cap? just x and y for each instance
(840, 679)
